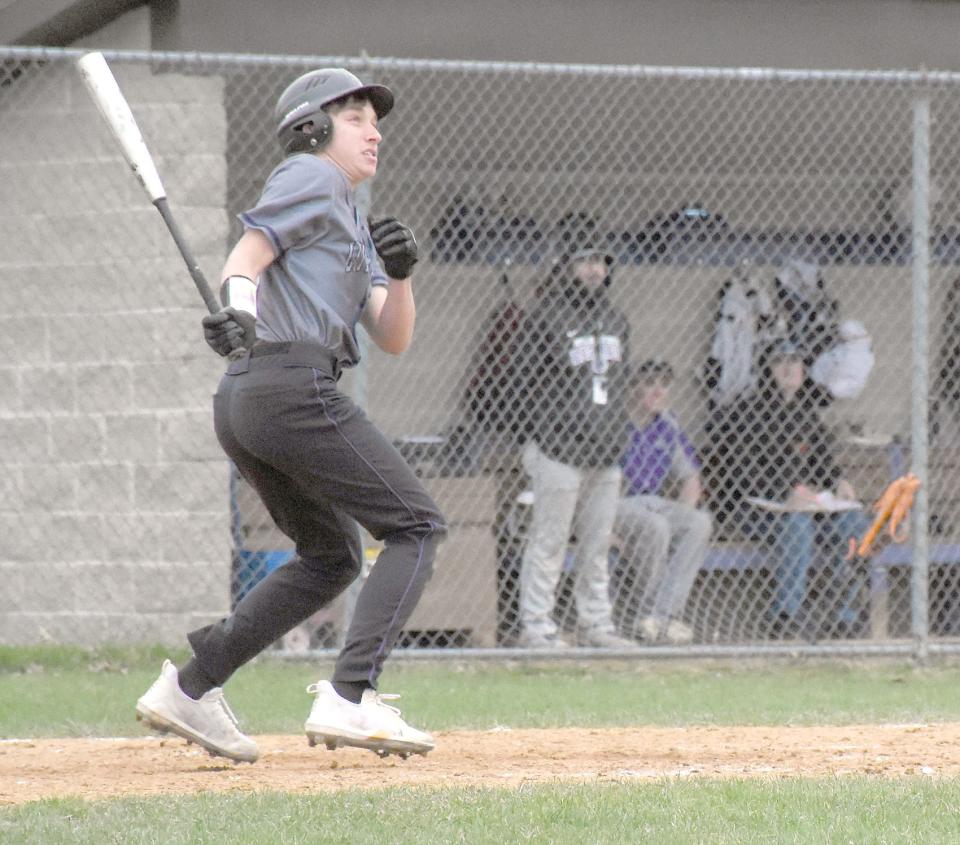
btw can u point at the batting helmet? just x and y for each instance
(304, 101)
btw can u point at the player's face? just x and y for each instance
(355, 141)
(655, 394)
(590, 271)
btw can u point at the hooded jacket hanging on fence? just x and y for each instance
(810, 313)
(730, 371)
(572, 367)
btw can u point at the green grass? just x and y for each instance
(269, 696)
(70, 692)
(858, 810)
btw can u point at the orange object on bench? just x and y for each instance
(891, 508)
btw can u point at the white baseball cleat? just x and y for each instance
(651, 628)
(371, 724)
(537, 641)
(678, 632)
(599, 637)
(208, 721)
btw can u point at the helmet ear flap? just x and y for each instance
(311, 134)
(320, 131)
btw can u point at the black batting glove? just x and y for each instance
(395, 245)
(229, 329)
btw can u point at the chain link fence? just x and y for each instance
(759, 269)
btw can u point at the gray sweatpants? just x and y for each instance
(320, 467)
(581, 500)
(665, 540)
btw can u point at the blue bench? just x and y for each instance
(740, 556)
(745, 556)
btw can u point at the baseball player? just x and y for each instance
(302, 275)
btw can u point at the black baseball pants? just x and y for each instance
(320, 466)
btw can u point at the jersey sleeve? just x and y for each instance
(295, 205)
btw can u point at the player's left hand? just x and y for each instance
(395, 245)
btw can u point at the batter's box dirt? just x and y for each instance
(32, 769)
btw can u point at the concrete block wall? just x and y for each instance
(114, 508)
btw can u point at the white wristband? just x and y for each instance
(239, 292)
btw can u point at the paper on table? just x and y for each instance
(824, 501)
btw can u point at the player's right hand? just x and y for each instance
(229, 329)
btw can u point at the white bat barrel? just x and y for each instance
(113, 106)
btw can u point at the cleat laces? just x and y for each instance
(224, 710)
(388, 696)
(383, 698)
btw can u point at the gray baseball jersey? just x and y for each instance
(318, 285)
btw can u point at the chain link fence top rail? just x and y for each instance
(737, 209)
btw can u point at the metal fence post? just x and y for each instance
(920, 627)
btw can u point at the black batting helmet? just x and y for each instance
(304, 100)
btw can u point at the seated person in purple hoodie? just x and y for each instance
(663, 537)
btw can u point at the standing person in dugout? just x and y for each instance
(573, 372)
(295, 285)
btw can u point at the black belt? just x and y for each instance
(294, 353)
(268, 348)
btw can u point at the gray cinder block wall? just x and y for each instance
(114, 512)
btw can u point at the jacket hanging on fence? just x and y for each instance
(742, 324)
(490, 413)
(809, 313)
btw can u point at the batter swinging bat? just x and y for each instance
(115, 110)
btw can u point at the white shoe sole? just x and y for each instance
(164, 725)
(382, 746)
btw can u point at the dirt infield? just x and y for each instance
(100, 768)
